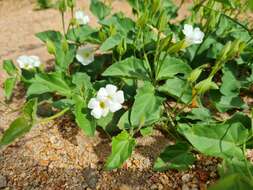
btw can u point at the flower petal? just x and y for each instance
(111, 89)
(93, 103)
(119, 97)
(114, 106)
(102, 94)
(97, 113)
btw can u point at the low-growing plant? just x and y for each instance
(130, 75)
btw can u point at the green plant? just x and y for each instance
(120, 76)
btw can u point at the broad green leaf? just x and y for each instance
(99, 9)
(176, 156)
(63, 104)
(9, 67)
(50, 82)
(146, 131)
(129, 68)
(230, 84)
(235, 166)
(233, 182)
(202, 114)
(81, 80)
(64, 57)
(122, 148)
(225, 103)
(177, 88)
(81, 34)
(111, 42)
(221, 140)
(147, 107)
(9, 85)
(120, 22)
(83, 118)
(51, 35)
(124, 123)
(18, 128)
(22, 124)
(172, 66)
(109, 123)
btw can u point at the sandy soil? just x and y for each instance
(57, 155)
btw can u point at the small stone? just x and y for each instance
(3, 181)
(186, 178)
(154, 187)
(185, 187)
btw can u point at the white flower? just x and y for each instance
(85, 55)
(108, 99)
(114, 98)
(99, 107)
(28, 62)
(193, 35)
(82, 18)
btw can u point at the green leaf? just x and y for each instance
(235, 166)
(202, 114)
(172, 66)
(147, 107)
(177, 88)
(83, 118)
(81, 80)
(63, 104)
(9, 67)
(225, 103)
(9, 85)
(64, 57)
(122, 148)
(233, 182)
(99, 9)
(146, 131)
(111, 42)
(221, 140)
(81, 34)
(51, 35)
(18, 128)
(230, 84)
(22, 124)
(50, 82)
(129, 68)
(176, 156)
(124, 123)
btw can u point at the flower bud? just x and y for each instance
(162, 22)
(50, 47)
(177, 47)
(193, 77)
(203, 86)
(62, 5)
(71, 3)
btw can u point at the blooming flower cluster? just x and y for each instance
(108, 99)
(28, 62)
(85, 55)
(193, 35)
(82, 18)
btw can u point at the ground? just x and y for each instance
(57, 155)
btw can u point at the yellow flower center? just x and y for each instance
(102, 104)
(86, 54)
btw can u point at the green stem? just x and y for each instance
(54, 116)
(246, 161)
(63, 23)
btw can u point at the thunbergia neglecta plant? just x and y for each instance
(130, 75)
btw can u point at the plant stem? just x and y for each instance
(63, 23)
(246, 161)
(54, 116)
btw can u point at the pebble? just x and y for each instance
(185, 187)
(186, 178)
(3, 181)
